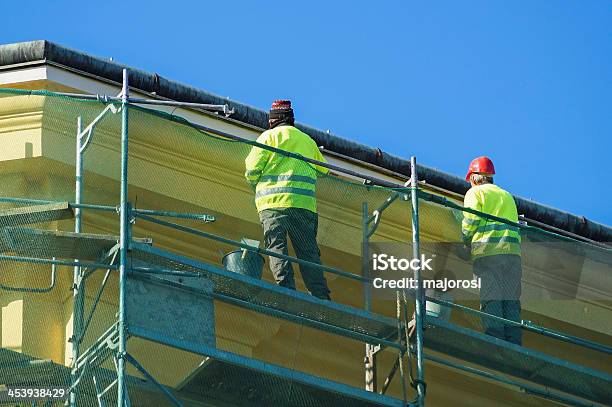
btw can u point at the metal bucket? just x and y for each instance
(433, 309)
(244, 262)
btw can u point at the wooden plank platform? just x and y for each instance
(62, 245)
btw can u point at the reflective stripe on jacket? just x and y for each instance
(488, 237)
(281, 181)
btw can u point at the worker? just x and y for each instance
(285, 197)
(495, 250)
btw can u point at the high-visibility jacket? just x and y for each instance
(488, 237)
(281, 181)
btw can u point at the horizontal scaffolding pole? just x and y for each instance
(108, 208)
(31, 201)
(157, 271)
(216, 108)
(160, 102)
(542, 226)
(221, 239)
(36, 260)
(450, 204)
(178, 215)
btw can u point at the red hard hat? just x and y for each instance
(482, 165)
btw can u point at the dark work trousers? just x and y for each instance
(500, 294)
(301, 226)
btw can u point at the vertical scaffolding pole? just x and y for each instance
(420, 297)
(370, 354)
(123, 243)
(77, 289)
(367, 290)
(79, 177)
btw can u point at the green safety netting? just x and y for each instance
(209, 335)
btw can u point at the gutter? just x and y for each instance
(152, 83)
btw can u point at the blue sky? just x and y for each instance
(528, 83)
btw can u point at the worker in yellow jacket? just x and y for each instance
(495, 249)
(285, 196)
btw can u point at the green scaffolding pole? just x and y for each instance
(420, 296)
(124, 210)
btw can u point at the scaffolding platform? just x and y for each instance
(25, 371)
(59, 244)
(45, 370)
(25, 215)
(240, 386)
(518, 361)
(277, 301)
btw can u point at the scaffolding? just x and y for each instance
(161, 293)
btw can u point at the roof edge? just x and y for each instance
(150, 82)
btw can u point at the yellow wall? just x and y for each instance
(172, 173)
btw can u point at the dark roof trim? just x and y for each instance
(25, 52)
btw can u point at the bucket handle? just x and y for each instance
(244, 253)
